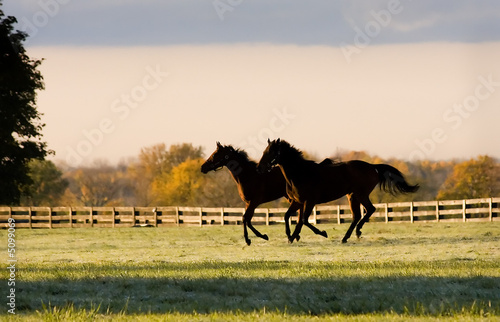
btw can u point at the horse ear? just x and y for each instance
(218, 144)
(268, 141)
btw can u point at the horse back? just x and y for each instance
(362, 175)
(328, 181)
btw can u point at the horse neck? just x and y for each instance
(290, 167)
(242, 169)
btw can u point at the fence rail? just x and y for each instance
(487, 209)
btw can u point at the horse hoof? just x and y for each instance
(358, 234)
(290, 240)
(248, 242)
(324, 234)
(265, 237)
(344, 241)
(298, 238)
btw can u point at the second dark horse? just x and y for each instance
(310, 183)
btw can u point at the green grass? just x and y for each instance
(395, 272)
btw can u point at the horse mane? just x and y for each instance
(243, 155)
(291, 150)
(294, 152)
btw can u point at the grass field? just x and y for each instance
(395, 272)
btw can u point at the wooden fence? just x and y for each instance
(422, 211)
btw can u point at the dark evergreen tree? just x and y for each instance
(20, 123)
(48, 185)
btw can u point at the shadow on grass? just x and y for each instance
(188, 292)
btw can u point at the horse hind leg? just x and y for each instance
(354, 204)
(256, 232)
(370, 209)
(314, 229)
(247, 221)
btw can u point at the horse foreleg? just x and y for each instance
(296, 232)
(356, 216)
(303, 218)
(292, 209)
(245, 233)
(247, 217)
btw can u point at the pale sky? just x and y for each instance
(397, 79)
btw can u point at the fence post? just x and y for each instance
(201, 217)
(10, 215)
(411, 212)
(491, 208)
(177, 217)
(464, 211)
(50, 218)
(267, 216)
(338, 214)
(222, 216)
(437, 210)
(30, 219)
(315, 221)
(70, 217)
(386, 213)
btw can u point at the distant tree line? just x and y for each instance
(165, 176)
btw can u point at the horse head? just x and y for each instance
(271, 156)
(219, 158)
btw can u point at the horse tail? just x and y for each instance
(392, 180)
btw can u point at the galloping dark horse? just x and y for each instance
(254, 187)
(310, 183)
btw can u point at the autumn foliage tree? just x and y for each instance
(143, 172)
(186, 185)
(476, 178)
(181, 186)
(154, 164)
